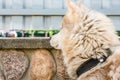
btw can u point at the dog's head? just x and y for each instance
(69, 20)
(84, 30)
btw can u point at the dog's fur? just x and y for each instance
(87, 34)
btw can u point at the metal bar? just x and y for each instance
(49, 12)
(30, 12)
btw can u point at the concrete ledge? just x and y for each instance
(24, 43)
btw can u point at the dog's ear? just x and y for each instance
(74, 14)
(72, 7)
(66, 23)
(82, 7)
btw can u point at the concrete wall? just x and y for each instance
(30, 59)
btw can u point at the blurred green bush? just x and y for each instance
(39, 33)
(118, 32)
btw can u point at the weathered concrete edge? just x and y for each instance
(24, 43)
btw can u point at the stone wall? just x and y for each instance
(30, 59)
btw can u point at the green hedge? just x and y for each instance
(40, 33)
(118, 32)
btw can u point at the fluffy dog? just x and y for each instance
(89, 44)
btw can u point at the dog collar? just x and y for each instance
(91, 63)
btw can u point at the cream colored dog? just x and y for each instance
(89, 44)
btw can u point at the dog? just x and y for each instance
(89, 44)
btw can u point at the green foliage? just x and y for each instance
(40, 33)
(118, 32)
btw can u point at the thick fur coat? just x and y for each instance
(86, 34)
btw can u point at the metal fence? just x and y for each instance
(47, 14)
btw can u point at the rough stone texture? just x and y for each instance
(24, 43)
(33, 48)
(14, 64)
(1, 76)
(61, 69)
(43, 65)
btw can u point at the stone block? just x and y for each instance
(43, 65)
(14, 64)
